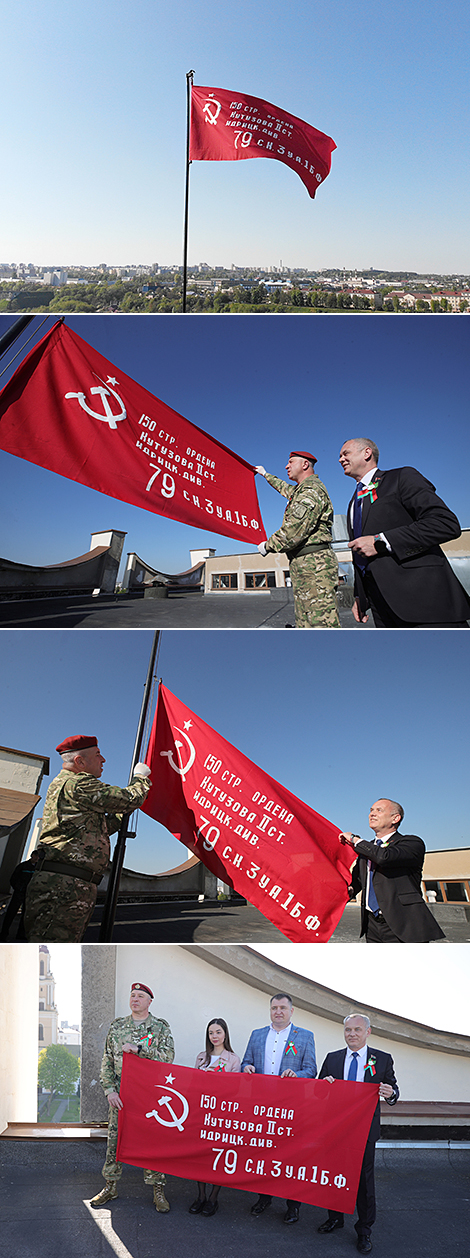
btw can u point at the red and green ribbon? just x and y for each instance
(369, 491)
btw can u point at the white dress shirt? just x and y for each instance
(274, 1049)
(361, 1062)
(365, 480)
(370, 872)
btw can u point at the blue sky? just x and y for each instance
(340, 720)
(259, 386)
(94, 150)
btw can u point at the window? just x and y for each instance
(436, 893)
(447, 892)
(41, 1032)
(225, 581)
(260, 580)
(41, 1004)
(456, 892)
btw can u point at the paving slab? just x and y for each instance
(184, 921)
(273, 610)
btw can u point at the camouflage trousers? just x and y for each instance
(58, 908)
(112, 1170)
(314, 581)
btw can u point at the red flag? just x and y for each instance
(249, 831)
(226, 127)
(296, 1138)
(68, 409)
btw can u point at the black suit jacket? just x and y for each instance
(416, 580)
(384, 1073)
(397, 885)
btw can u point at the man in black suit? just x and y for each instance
(396, 523)
(388, 872)
(361, 1064)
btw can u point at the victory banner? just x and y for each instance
(298, 1138)
(68, 409)
(229, 126)
(251, 832)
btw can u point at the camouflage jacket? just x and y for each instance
(79, 814)
(154, 1035)
(308, 516)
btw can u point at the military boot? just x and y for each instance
(160, 1201)
(108, 1193)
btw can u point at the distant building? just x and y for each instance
(55, 277)
(446, 876)
(253, 573)
(21, 774)
(48, 1015)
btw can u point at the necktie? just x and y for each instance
(352, 1072)
(372, 901)
(359, 560)
(357, 511)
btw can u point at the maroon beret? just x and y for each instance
(77, 742)
(140, 987)
(303, 454)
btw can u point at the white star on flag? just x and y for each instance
(187, 724)
(170, 1079)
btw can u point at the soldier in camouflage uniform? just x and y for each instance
(79, 814)
(305, 537)
(147, 1036)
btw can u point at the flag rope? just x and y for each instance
(23, 347)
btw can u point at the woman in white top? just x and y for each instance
(218, 1055)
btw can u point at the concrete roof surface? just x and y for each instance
(422, 1208)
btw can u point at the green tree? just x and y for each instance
(221, 302)
(58, 1071)
(133, 301)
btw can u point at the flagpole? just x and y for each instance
(16, 329)
(189, 83)
(109, 912)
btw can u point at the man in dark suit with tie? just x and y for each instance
(388, 872)
(396, 523)
(361, 1064)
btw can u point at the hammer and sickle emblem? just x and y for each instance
(212, 110)
(104, 390)
(174, 1121)
(180, 768)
